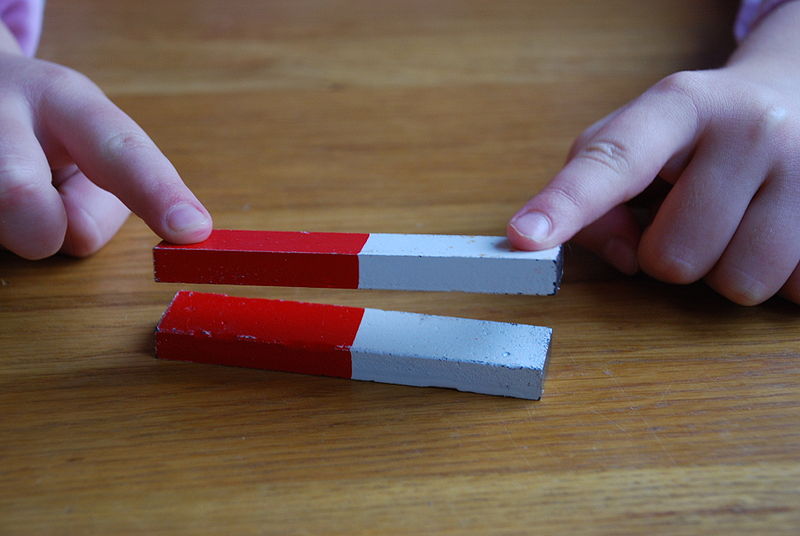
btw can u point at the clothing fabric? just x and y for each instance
(24, 19)
(750, 14)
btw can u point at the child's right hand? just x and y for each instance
(68, 156)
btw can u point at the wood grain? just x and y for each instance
(666, 409)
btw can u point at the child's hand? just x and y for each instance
(66, 155)
(729, 142)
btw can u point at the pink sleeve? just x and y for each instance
(24, 19)
(750, 14)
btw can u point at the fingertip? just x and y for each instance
(36, 252)
(530, 231)
(39, 247)
(33, 222)
(83, 237)
(187, 223)
(621, 255)
(615, 238)
(791, 289)
(86, 235)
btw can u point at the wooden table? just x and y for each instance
(666, 409)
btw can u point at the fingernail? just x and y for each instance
(185, 218)
(621, 256)
(534, 226)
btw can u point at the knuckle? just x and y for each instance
(60, 78)
(688, 84)
(18, 183)
(580, 142)
(672, 269)
(766, 115)
(690, 88)
(669, 262)
(126, 142)
(577, 143)
(570, 196)
(739, 286)
(608, 152)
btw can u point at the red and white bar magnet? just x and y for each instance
(352, 342)
(484, 264)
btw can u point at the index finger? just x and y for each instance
(117, 155)
(613, 165)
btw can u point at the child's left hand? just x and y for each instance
(729, 142)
